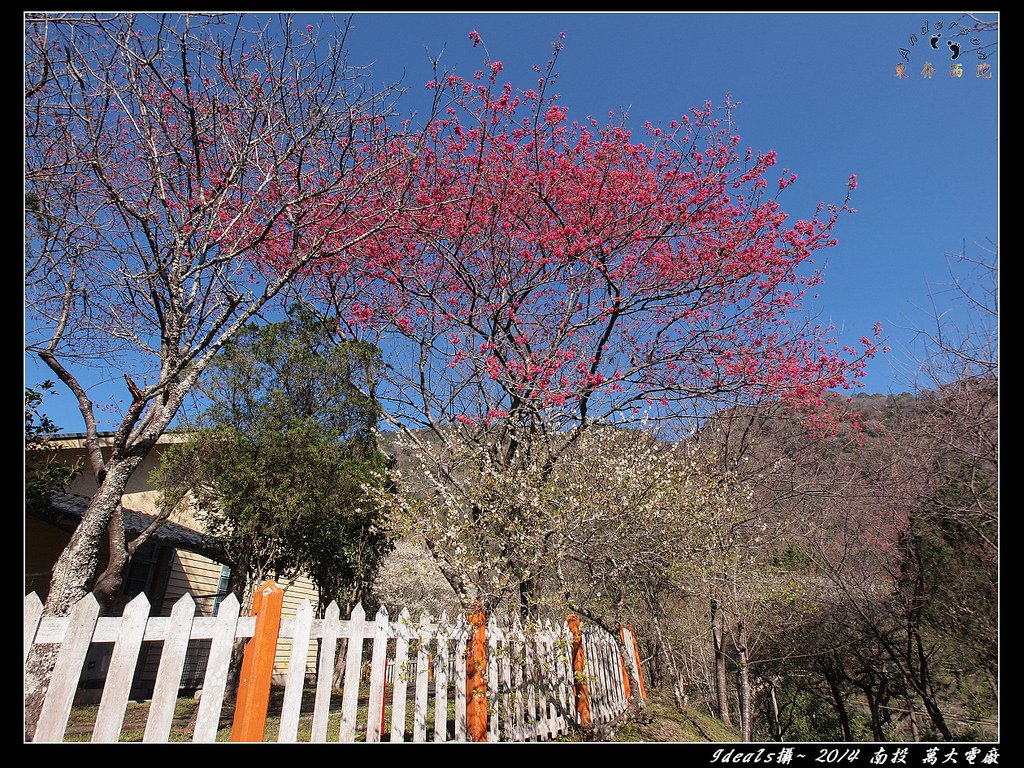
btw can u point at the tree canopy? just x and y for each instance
(278, 461)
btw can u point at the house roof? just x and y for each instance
(66, 509)
(106, 439)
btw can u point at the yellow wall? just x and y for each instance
(195, 575)
(295, 591)
(140, 495)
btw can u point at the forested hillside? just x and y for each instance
(855, 595)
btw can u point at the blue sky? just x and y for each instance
(820, 89)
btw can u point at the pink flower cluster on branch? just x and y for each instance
(570, 271)
(193, 175)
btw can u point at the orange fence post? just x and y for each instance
(639, 669)
(258, 665)
(578, 672)
(476, 680)
(622, 663)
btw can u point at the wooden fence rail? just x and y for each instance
(527, 690)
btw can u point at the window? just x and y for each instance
(139, 577)
(222, 587)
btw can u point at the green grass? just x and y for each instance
(83, 718)
(665, 722)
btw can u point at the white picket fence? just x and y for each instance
(529, 672)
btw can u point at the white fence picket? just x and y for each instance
(441, 679)
(516, 657)
(542, 700)
(620, 686)
(401, 675)
(609, 674)
(597, 671)
(123, 660)
(591, 677)
(530, 672)
(296, 680)
(537, 667)
(461, 640)
(608, 690)
(494, 636)
(614, 680)
(353, 661)
(419, 718)
(168, 677)
(617, 662)
(505, 681)
(331, 630)
(221, 647)
(564, 669)
(612, 669)
(601, 670)
(550, 681)
(64, 681)
(378, 664)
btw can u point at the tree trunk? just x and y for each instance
(678, 692)
(72, 576)
(109, 582)
(925, 689)
(776, 722)
(914, 732)
(917, 654)
(721, 679)
(338, 675)
(121, 552)
(876, 719)
(657, 670)
(743, 693)
(844, 717)
(875, 709)
(527, 604)
(938, 720)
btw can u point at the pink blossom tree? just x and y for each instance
(555, 274)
